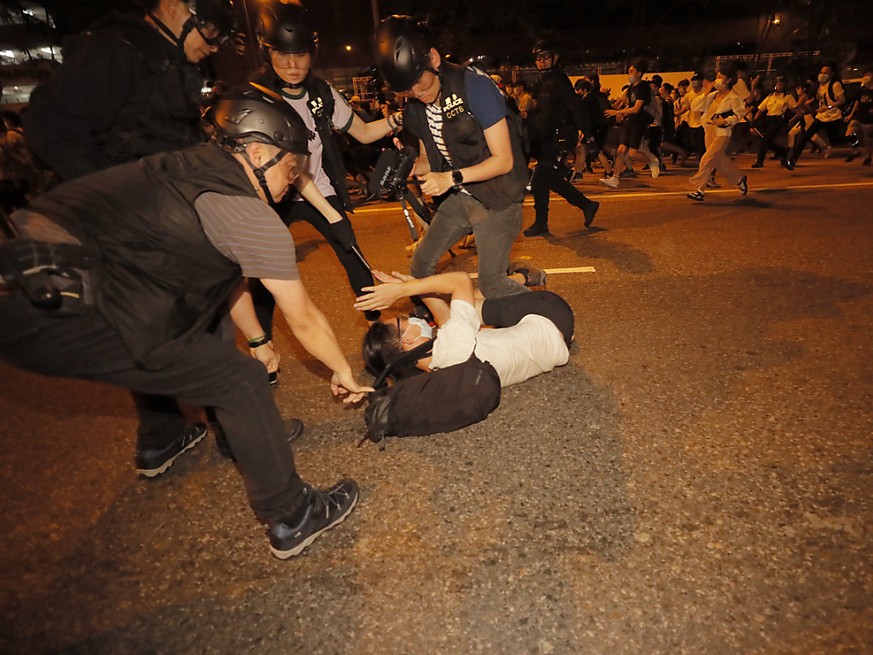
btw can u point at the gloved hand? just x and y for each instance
(343, 233)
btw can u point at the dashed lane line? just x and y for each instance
(634, 195)
(559, 271)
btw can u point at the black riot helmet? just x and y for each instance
(254, 113)
(215, 19)
(546, 45)
(286, 26)
(402, 48)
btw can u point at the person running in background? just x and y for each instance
(633, 122)
(772, 115)
(722, 109)
(554, 125)
(831, 98)
(860, 120)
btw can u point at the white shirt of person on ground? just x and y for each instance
(519, 352)
(342, 118)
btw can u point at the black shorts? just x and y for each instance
(632, 130)
(509, 310)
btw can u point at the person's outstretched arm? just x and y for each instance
(314, 333)
(457, 285)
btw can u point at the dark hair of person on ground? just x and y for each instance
(521, 84)
(595, 79)
(641, 65)
(382, 346)
(684, 83)
(667, 87)
(657, 80)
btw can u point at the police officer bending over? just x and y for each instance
(164, 243)
(473, 147)
(127, 89)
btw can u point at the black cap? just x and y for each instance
(285, 25)
(254, 113)
(402, 49)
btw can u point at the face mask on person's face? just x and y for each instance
(720, 85)
(823, 77)
(632, 79)
(426, 329)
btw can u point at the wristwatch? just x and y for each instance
(457, 177)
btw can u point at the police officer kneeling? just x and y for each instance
(474, 152)
(166, 243)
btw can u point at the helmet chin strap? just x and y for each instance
(178, 41)
(187, 28)
(260, 172)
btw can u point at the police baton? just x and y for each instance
(360, 256)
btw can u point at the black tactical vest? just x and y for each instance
(158, 281)
(321, 105)
(465, 141)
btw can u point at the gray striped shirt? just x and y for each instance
(247, 231)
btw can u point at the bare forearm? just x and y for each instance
(315, 335)
(314, 197)
(242, 312)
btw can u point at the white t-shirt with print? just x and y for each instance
(533, 346)
(341, 120)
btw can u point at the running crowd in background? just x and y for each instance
(784, 117)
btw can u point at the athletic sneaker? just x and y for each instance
(151, 463)
(655, 167)
(321, 511)
(611, 181)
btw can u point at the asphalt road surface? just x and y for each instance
(696, 480)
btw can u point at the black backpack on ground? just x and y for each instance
(441, 401)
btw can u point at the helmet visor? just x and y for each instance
(296, 165)
(210, 32)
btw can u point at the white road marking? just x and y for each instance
(559, 271)
(602, 193)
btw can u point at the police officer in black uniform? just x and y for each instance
(554, 125)
(117, 276)
(130, 88)
(289, 43)
(473, 146)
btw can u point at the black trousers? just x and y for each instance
(358, 274)
(549, 176)
(773, 125)
(832, 129)
(211, 373)
(509, 310)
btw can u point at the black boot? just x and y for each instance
(537, 230)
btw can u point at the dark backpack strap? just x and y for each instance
(321, 105)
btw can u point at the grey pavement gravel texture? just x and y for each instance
(696, 480)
